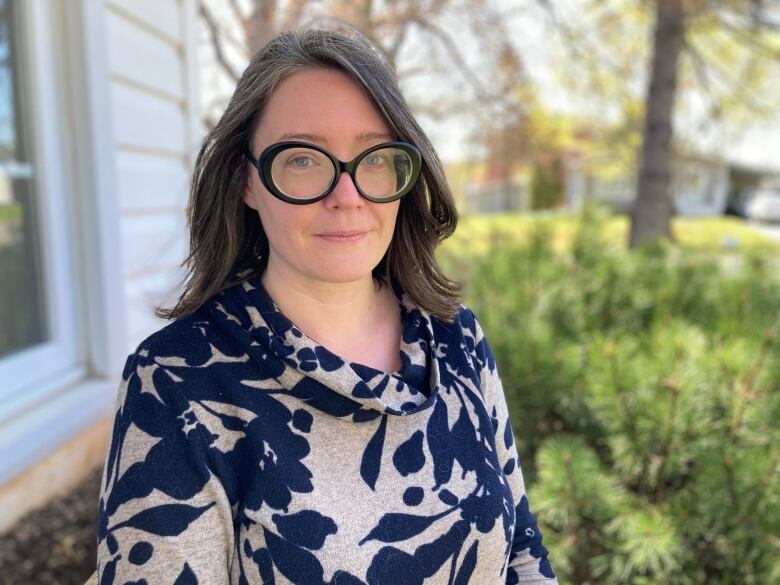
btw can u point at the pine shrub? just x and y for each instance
(644, 387)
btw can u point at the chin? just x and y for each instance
(343, 272)
(343, 277)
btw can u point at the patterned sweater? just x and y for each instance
(244, 452)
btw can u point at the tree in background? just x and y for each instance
(426, 38)
(651, 215)
(708, 63)
(547, 187)
(645, 66)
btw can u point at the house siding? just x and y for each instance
(156, 130)
(150, 114)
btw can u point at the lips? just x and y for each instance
(342, 236)
(352, 233)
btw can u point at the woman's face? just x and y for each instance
(327, 108)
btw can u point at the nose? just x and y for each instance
(344, 194)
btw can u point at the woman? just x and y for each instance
(323, 409)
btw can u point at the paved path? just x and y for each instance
(771, 230)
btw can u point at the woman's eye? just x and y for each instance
(301, 162)
(375, 160)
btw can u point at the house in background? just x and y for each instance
(702, 185)
(489, 186)
(99, 125)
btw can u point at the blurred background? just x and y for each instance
(616, 164)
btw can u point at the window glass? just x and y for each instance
(22, 316)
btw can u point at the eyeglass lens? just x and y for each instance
(305, 173)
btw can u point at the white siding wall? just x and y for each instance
(155, 115)
(124, 106)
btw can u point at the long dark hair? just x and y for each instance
(226, 235)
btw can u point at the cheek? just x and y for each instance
(284, 224)
(389, 218)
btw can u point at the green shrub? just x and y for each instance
(644, 388)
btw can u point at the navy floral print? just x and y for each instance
(243, 452)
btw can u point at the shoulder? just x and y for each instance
(476, 340)
(167, 365)
(467, 330)
(468, 321)
(187, 338)
(464, 324)
(167, 375)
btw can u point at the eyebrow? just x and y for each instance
(362, 137)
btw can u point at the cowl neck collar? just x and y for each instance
(304, 368)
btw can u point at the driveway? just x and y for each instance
(771, 230)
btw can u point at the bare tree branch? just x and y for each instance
(741, 35)
(400, 37)
(216, 42)
(454, 52)
(410, 72)
(584, 54)
(226, 31)
(706, 69)
(294, 14)
(238, 13)
(244, 20)
(261, 24)
(389, 30)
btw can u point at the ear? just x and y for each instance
(248, 196)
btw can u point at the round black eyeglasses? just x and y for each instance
(302, 173)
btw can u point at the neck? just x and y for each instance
(331, 313)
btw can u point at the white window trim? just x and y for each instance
(53, 391)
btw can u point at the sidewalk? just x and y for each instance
(770, 230)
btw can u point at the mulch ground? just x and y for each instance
(54, 545)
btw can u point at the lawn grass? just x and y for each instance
(477, 233)
(10, 212)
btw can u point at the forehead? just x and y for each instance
(322, 103)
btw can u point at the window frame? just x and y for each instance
(60, 387)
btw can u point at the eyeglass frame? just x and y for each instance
(265, 160)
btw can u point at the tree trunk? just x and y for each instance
(355, 12)
(262, 24)
(652, 212)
